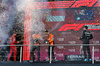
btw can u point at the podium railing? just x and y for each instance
(21, 47)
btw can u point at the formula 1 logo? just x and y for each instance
(88, 3)
(77, 27)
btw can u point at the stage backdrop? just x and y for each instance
(66, 24)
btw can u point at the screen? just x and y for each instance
(84, 15)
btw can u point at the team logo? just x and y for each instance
(77, 27)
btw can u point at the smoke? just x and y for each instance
(3, 36)
(6, 20)
(8, 16)
(22, 4)
(37, 23)
(62, 13)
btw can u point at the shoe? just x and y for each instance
(30, 61)
(85, 59)
(90, 59)
(48, 59)
(53, 60)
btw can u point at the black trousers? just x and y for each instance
(38, 51)
(88, 50)
(52, 52)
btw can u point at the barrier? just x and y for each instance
(66, 45)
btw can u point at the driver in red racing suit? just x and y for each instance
(13, 49)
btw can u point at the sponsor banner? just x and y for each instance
(71, 50)
(74, 57)
(60, 47)
(60, 39)
(96, 42)
(55, 18)
(72, 42)
(93, 27)
(96, 58)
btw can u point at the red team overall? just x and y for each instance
(13, 49)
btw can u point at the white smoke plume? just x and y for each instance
(22, 4)
(8, 15)
(6, 19)
(36, 20)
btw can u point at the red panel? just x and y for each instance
(27, 34)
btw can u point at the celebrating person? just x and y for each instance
(50, 39)
(13, 49)
(36, 40)
(86, 36)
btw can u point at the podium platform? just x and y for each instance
(46, 64)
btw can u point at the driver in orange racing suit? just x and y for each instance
(51, 42)
(36, 41)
